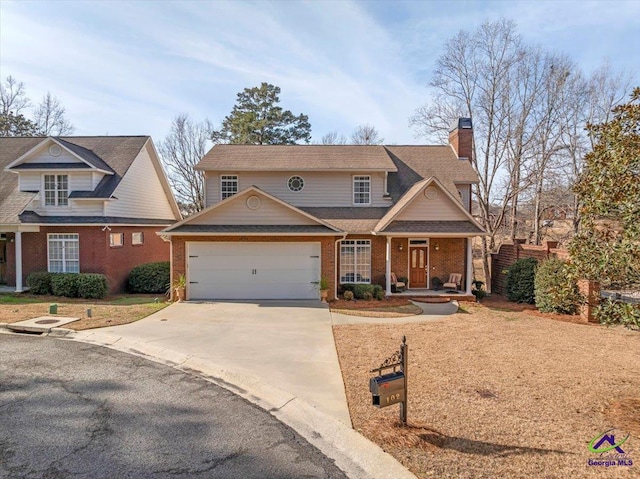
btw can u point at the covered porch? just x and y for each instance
(11, 257)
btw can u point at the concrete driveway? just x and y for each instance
(287, 344)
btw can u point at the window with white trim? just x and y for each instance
(355, 261)
(63, 253)
(116, 239)
(56, 190)
(228, 186)
(361, 190)
(137, 238)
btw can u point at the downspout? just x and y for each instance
(335, 263)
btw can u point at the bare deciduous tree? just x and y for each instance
(181, 150)
(334, 138)
(13, 97)
(50, 118)
(366, 135)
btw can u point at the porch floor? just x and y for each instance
(424, 293)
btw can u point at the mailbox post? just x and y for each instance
(391, 388)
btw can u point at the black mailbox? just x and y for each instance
(387, 389)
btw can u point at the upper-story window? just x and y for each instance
(56, 190)
(361, 190)
(228, 186)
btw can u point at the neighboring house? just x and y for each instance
(81, 204)
(279, 217)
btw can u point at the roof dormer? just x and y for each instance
(57, 154)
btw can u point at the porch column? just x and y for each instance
(388, 266)
(469, 265)
(18, 261)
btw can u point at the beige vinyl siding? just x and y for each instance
(140, 193)
(320, 188)
(465, 195)
(43, 156)
(29, 180)
(236, 212)
(96, 178)
(439, 208)
(75, 208)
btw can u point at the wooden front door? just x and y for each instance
(418, 267)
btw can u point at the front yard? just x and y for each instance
(499, 391)
(108, 312)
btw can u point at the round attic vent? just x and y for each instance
(253, 202)
(431, 193)
(55, 150)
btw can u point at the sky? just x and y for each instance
(129, 68)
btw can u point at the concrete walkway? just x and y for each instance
(430, 312)
(287, 344)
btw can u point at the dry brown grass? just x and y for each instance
(497, 391)
(110, 312)
(391, 307)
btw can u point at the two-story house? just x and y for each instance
(81, 204)
(277, 218)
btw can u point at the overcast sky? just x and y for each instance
(130, 67)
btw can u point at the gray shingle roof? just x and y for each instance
(30, 217)
(296, 157)
(51, 166)
(418, 162)
(350, 219)
(454, 227)
(271, 229)
(110, 153)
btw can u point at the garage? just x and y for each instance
(268, 270)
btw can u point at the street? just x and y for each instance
(72, 409)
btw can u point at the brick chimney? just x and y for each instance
(461, 138)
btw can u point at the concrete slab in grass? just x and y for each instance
(42, 324)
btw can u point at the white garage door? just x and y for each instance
(253, 270)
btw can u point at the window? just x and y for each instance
(116, 239)
(56, 190)
(355, 261)
(228, 186)
(295, 183)
(361, 190)
(137, 238)
(64, 253)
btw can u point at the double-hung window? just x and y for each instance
(228, 186)
(355, 261)
(361, 190)
(64, 253)
(56, 190)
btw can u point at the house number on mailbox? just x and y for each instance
(391, 388)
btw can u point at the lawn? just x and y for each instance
(108, 312)
(498, 390)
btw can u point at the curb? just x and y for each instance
(354, 454)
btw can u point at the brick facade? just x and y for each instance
(450, 257)
(96, 256)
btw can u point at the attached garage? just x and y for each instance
(260, 270)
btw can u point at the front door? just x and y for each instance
(418, 267)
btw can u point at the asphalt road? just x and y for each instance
(70, 409)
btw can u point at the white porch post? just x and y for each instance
(18, 261)
(469, 265)
(388, 266)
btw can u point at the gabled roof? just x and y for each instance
(418, 162)
(297, 158)
(186, 226)
(410, 196)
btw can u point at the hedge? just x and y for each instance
(39, 282)
(150, 278)
(556, 291)
(521, 281)
(92, 286)
(69, 285)
(65, 284)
